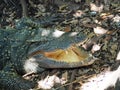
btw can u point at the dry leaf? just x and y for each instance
(50, 81)
(65, 75)
(106, 15)
(78, 13)
(118, 56)
(95, 47)
(116, 18)
(99, 30)
(96, 8)
(102, 81)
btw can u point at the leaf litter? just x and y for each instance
(90, 18)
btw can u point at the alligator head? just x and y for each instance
(61, 52)
(32, 49)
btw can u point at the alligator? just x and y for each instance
(29, 48)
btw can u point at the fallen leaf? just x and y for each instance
(99, 30)
(78, 14)
(96, 8)
(95, 47)
(118, 56)
(50, 81)
(102, 81)
(116, 18)
(106, 15)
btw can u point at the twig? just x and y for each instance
(24, 8)
(72, 78)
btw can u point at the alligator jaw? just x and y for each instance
(63, 58)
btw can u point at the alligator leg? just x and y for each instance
(10, 80)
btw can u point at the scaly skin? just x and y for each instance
(28, 50)
(9, 79)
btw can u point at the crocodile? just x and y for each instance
(30, 48)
